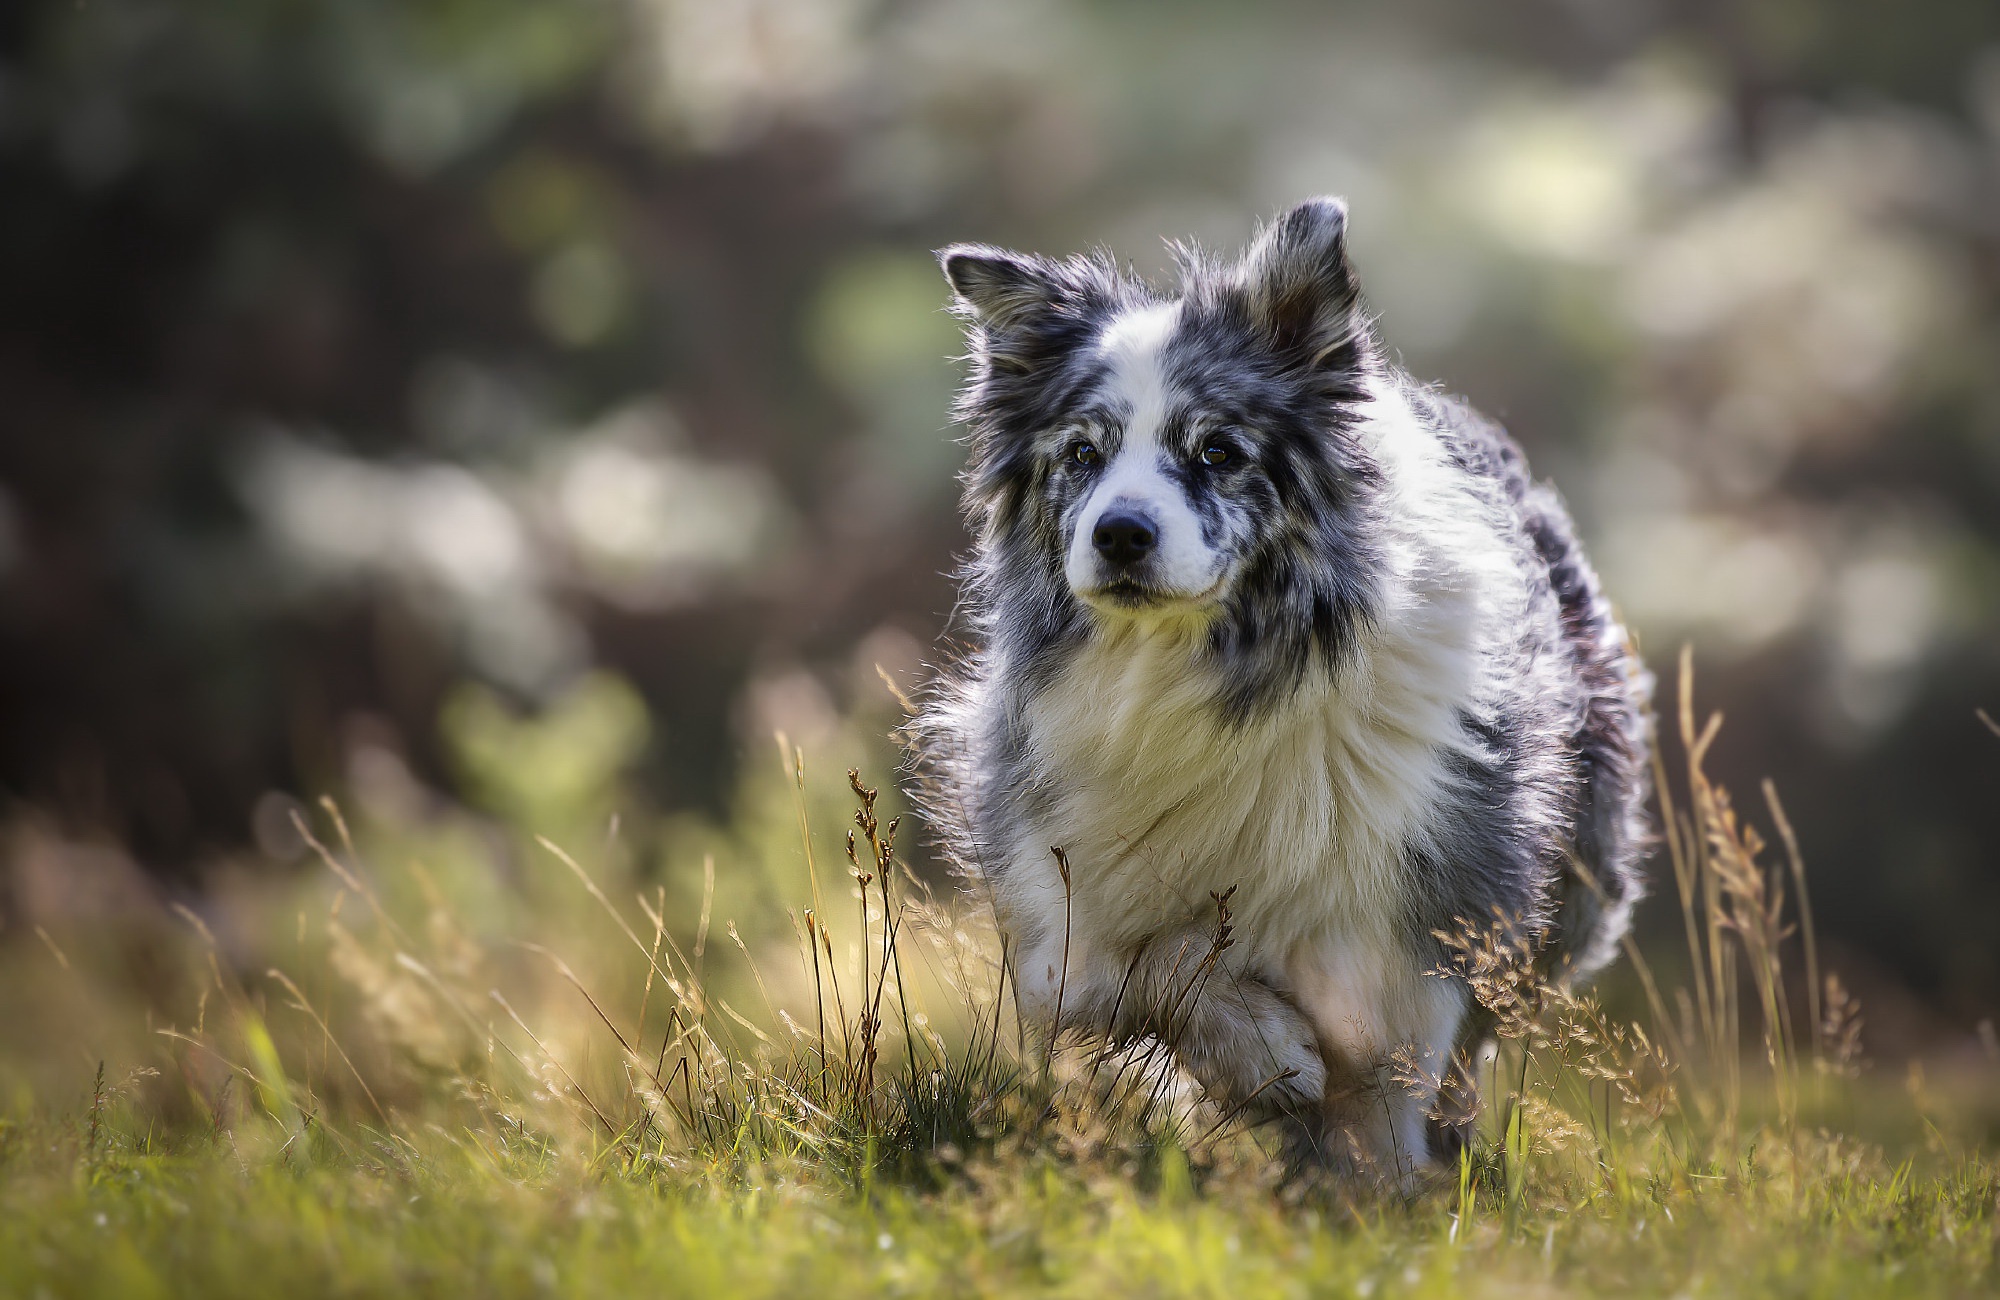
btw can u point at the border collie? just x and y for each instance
(1283, 668)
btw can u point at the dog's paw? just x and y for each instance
(1297, 1073)
(1249, 1046)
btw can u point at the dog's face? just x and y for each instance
(1139, 457)
(1153, 488)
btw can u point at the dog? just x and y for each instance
(1282, 668)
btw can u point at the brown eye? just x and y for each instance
(1083, 453)
(1214, 455)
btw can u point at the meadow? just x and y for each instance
(540, 1043)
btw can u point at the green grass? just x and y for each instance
(457, 1215)
(454, 1058)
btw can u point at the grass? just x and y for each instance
(485, 1071)
(446, 1218)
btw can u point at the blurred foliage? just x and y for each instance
(380, 376)
(557, 768)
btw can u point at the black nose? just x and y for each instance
(1124, 539)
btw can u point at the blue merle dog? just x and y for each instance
(1258, 617)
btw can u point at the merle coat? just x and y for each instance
(1262, 624)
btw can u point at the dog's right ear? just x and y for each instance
(995, 288)
(1023, 313)
(1299, 285)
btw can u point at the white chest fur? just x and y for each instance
(1159, 802)
(1308, 811)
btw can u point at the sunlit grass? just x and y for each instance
(435, 1212)
(536, 1052)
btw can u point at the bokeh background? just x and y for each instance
(506, 414)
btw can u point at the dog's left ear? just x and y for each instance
(1299, 287)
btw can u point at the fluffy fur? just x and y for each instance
(1259, 619)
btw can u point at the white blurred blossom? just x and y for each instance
(649, 523)
(721, 72)
(443, 534)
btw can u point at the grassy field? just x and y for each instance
(448, 1055)
(463, 1214)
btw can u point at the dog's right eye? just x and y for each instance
(1083, 453)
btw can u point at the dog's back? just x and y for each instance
(1608, 833)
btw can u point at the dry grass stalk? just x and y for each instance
(696, 1085)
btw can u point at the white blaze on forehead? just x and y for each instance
(1135, 372)
(1136, 475)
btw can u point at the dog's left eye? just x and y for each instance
(1214, 454)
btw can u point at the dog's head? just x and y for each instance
(1148, 456)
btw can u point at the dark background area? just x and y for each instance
(351, 350)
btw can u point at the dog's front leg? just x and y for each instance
(1388, 1031)
(1243, 1041)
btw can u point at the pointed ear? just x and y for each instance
(1298, 285)
(1001, 297)
(995, 288)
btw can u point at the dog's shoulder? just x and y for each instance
(1475, 443)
